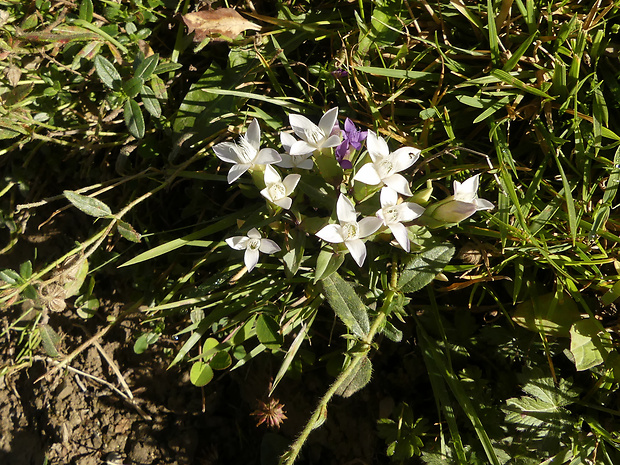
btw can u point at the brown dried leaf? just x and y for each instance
(223, 21)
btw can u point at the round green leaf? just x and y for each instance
(200, 374)
(268, 332)
(220, 361)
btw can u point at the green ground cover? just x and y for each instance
(119, 116)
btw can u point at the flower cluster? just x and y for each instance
(338, 158)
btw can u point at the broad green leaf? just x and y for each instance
(550, 314)
(127, 231)
(327, 263)
(86, 10)
(86, 306)
(133, 86)
(590, 344)
(423, 268)
(10, 276)
(220, 361)
(146, 67)
(107, 73)
(134, 119)
(25, 269)
(151, 104)
(89, 205)
(268, 332)
(391, 332)
(346, 304)
(200, 374)
(611, 295)
(49, 339)
(144, 341)
(359, 378)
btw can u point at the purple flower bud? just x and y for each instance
(352, 137)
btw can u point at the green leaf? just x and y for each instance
(268, 332)
(347, 304)
(359, 378)
(220, 361)
(86, 306)
(151, 104)
(134, 119)
(49, 339)
(294, 252)
(127, 231)
(550, 314)
(133, 86)
(513, 81)
(107, 73)
(10, 276)
(327, 263)
(89, 205)
(146, 67)
(25, 269)
(423, 268)
(144, 341)
(86, 11)
(200, 374)
(391, 332)
(590, 344)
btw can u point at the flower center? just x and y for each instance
(246, 152)
(391, 214)
(277, 191)
(385, 168)
(350, 231)
(314, 135)
(254, 244)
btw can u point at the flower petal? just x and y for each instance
(301, 147)
(238, 242)
(287, 140)
(227, 151)
(368, 175)
(284, 202)
(271, 175)
(328, 120)
(345, 210)
(267, 157)
(268, 246)
(399, 184)
(307, 164)
(301, 124)
(400, 234)
(287, 161)
(250, 258)
(389, 197)
(290, 182)
(236, 171)
(377, 146)
(409, 211)
(482, 204)
(358, 250)
(254, 234)
(331, 233)
(253, 134)
(369, 225)
(332, 141)
(404, 157)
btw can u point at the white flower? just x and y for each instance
(462, 204)
(276, 190)
(350, 231)
(253, 243)
(303, 162)
(314, 137)
(394, 214)
(385, 165)
(246, 154)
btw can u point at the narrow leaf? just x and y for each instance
(134, 119)
(107, 72)
(359, 378)
(89, 205)
(423, 268)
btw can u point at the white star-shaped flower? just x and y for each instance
(462, 204)
(314, 137)
(276, 190)
(246, 154)
(350, 231)
(303, 162)
(394, 214)
(386, 165)
(253, 243)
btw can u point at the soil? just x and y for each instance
(82, 414)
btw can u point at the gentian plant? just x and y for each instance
(327, 198)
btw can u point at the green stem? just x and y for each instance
(320, 412)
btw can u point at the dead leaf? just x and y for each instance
(223, 21)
